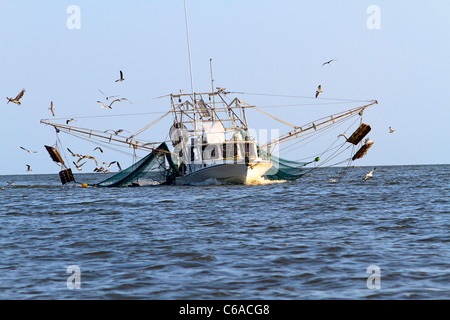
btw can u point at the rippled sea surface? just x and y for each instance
(310, 239)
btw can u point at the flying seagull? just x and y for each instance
(28, 167)
(16, 99)
(328, 62)
(51, 108)
(74, 154)
(109, 106)
(103, 105)
(78, 166)
(107, 98)
(391, 130)
(369, 175)
(68, 121)
(121, 77)
(29, 151)
(319, 90)
(99, 148)
(343, 135)
(116, 132)
(109, 165)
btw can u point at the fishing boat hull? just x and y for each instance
(235, 173)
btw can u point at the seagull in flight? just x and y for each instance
(16, 99)
(109, 106)
(319, 90)
(51, 108)
(328, 62)
(370, 174)
(78, 166)
(29, 151)
(99, 148)
(70, 120)
(116, 132)
(121, 77)
(107, 98)
(28, 167)
(391, 130)
(109, 165)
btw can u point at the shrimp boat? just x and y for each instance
(211, 142)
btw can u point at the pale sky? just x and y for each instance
(393, 51)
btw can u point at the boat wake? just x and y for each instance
(254, 181)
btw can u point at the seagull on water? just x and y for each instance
(29, 151)
(319, 90)
(16, 99)
(121, 77)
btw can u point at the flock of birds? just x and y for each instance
(105, 169)
(319, 91)
(106, 166)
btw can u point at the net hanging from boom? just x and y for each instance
(155, 168)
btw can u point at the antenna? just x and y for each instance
(212, 83)
(189, 52)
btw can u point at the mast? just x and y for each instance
(190, 63)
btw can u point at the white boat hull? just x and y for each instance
(234, 173)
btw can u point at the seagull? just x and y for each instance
(121, 77)
(369, 175)
(74, 154)
(16, 99)
(78, 166)
(103, 105)
(120, 100)
(328, 62)
(29, 151)
(109, 165)
(107, 98)
(99, 148)
(89, 157)
(319, 90)
(28, 167)
(68, 121)
(343, 135)
(391, 130)
(116, 132)
(10, 183)
(51, 108)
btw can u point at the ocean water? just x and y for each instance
(316, 239)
